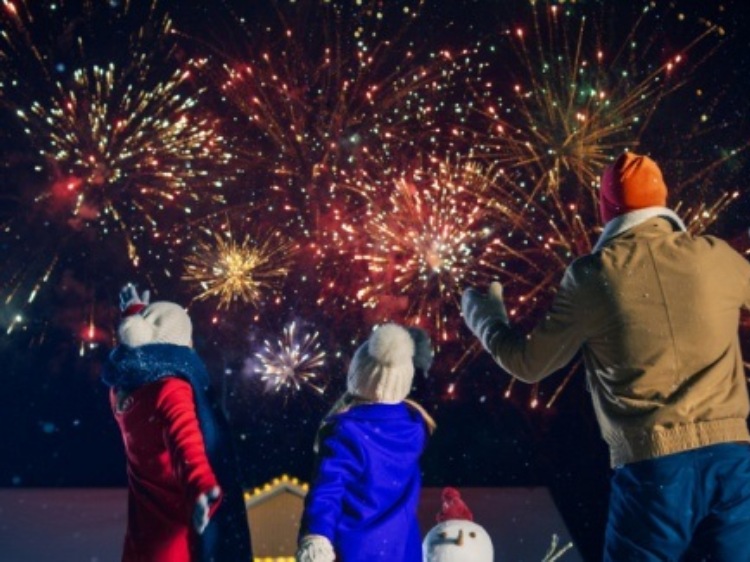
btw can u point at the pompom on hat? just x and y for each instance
(632, 182)
(159, 322)
(382, 369)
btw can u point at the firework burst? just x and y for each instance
(574, 103)
(121, 155)
(327, 100)
(233, 271)
(434, 235)
(121, 144)
(291, 362)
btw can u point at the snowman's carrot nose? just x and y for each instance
(460, 538)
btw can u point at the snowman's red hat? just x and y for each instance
(453, 507)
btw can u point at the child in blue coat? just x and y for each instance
(362, 503)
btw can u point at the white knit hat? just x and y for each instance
(159, 322)
(382, 369)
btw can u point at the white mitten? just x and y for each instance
(483, 313)
(129, 298)
(202, 511)
(315, 548)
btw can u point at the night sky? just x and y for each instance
(375, 158)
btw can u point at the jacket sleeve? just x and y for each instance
(550, 345)
(184, 438)
(746, 275)
(340, 461)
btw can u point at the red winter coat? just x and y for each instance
(167, 469)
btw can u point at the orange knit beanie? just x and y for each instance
(632, 182)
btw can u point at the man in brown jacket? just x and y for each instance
(655, 312)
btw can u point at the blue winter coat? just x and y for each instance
(365, 491)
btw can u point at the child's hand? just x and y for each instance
(129, 298)
(203, 508)
(315, 548)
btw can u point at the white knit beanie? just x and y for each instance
(159, 322)
(382, 369)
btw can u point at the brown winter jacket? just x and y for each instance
(655, 313)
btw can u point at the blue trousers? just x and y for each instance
(692, 504)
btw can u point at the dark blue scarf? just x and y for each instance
(129, 368)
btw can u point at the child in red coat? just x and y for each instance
(184, 499)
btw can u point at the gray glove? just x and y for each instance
(315, 548)
(483, 313)
(129, 297)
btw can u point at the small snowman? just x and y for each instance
(456, 538)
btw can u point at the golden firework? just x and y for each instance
(576, 100)
(233, 271)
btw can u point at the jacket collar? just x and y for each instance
(625, 222)
(377, 411)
